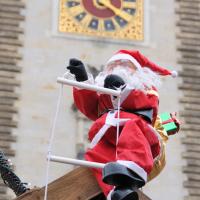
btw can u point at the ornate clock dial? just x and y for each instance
(102, 15)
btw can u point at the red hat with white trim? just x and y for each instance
(140, 61)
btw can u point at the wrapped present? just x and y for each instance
(170, 123)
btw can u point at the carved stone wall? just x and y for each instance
(188, 36)
(10, 31)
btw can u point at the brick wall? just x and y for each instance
(188, 36)
(10, 31)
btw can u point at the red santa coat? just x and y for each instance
(137, 144)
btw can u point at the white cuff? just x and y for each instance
(90, 79)
(135, 167)
(109, 194)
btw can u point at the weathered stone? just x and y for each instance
(12, 3)
(11, 28)
(9, 81)
(10, 68)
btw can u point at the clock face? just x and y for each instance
(102, 15)
(121, 19)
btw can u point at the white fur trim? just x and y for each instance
(124, 94)
(125, 57)
(135, 167)
(110, 121)
(109, 194)
(90, 80)
(174, 74)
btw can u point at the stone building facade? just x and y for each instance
(30, 38)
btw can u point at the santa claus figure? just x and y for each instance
(128, 150)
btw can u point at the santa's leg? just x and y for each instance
(133, 163)
(108, 189)
(105, 187)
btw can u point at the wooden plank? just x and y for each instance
(76, 185)
(190, 61)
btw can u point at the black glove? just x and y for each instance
(77, 68)
(113, 81)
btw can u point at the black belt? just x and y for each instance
(146, 114)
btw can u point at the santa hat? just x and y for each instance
(140, 61)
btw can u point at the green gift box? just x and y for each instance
(168, 123)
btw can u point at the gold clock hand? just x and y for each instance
(117, 11)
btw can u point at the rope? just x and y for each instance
(51, 141)
(118, 120)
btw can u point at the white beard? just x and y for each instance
(142, 79)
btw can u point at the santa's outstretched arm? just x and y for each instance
(85, 100)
